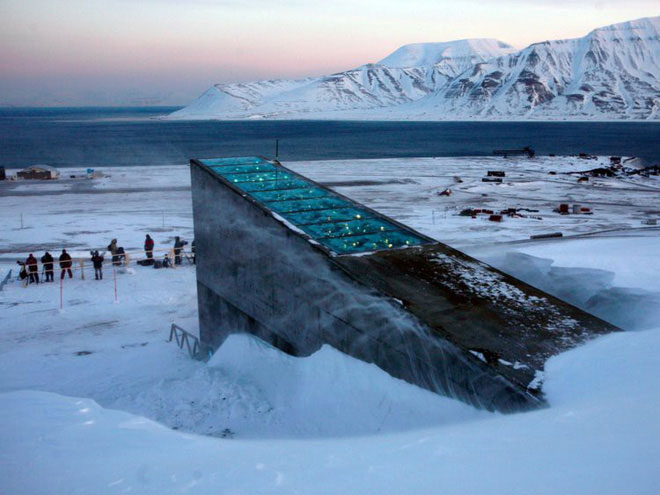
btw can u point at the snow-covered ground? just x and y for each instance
(77, 384)
(407, 190)
(83, 214)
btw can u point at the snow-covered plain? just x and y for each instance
(94, 400)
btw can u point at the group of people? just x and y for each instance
(30, 268)
(166, 262)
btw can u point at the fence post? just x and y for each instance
(173, 260)
(114, 276)
(127, 259)
(82, 268)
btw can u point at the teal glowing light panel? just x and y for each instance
(341, 225)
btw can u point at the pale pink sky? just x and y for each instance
(118, 51)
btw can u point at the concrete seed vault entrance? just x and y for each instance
(299, 265)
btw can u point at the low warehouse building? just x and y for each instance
(39, 172)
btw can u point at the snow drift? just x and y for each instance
(354, 396)
(599, 436)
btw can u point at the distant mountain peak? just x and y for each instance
(649, 25)
(429, 54)
(611, 73)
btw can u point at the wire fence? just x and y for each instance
(83, 267)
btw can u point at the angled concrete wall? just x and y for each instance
(256, 275)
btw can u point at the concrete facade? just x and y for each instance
(409, 310)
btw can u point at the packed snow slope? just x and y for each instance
(600, 435)
(612, 73)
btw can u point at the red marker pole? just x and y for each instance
(114, 276)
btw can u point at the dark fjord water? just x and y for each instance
(95, 137)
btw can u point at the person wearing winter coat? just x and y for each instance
(47, 262)
(22, 274)
(97, 260)
(178, 247)
(149, 248)
(32, 268)
(112, 247)
(65, 264)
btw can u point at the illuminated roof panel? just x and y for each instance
(239, 160)
(339, 224)
(350, 228)
(290, 194)
(256, 177)
(245, 169)
(274, 184)
(323, 216)
(372, 242)
(326, 203)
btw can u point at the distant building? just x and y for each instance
(41, 172)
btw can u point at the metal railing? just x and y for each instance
(83, 264)
(6, 279)
(184, 338)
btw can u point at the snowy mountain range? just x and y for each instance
(612, 73)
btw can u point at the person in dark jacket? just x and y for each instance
(112, 247)
(65, 264)
(47, 262)
(32, 268)
(149, 249)
(22, 274)
(194, 253)
(97, 260)
(178, 247)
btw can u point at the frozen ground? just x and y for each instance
(131, 201)
(77, 384)
(407, 190)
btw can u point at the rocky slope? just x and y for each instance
(612, 73)
(410, 73)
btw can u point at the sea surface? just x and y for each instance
(104, 137)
